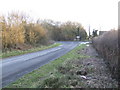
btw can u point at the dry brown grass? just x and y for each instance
(107, 46)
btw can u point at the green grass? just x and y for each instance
(20, 52)
(52, 74)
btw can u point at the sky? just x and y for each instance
(99, 14)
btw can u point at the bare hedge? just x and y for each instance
(107, 47)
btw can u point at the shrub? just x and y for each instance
(12, 31)
(18, 30)
(107, 46)
(34, 33)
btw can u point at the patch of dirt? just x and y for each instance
(98, 74)
(22, 47)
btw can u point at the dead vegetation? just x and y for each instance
(107, 47)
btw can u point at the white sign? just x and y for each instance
(78, 37)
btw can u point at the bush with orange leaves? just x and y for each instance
(16, 29)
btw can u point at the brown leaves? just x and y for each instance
(17, 29)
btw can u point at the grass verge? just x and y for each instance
(57, 74)
(20, 52)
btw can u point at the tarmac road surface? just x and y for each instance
(15, 67)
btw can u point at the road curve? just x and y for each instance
(15, 67)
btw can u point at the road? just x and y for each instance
(15, 67)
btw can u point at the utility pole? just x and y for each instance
(78, 34)
(89, 31)
(99, 31)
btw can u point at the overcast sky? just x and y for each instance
(97, 13)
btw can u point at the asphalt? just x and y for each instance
(15, 67)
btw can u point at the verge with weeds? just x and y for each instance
(20, 52)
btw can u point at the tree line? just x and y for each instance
(19, 29)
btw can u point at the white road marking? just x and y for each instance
(21, 58)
